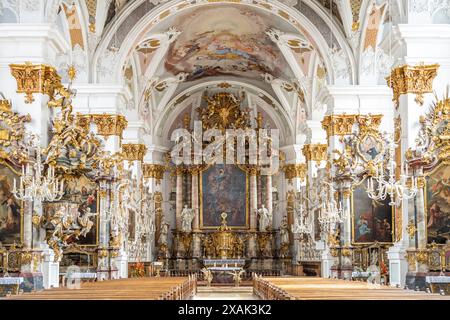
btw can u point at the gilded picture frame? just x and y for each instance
(66, 199)
(353, 225)
(17, 175)
(201, 204)
(427, 201)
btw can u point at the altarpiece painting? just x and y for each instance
(80, 199)
(223, 189)
(438, 205)
(10, 208)
(371, 220)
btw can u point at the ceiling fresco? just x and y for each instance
(225, 41)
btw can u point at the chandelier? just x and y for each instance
(34, 185)
(331, 212)
(382, 183)
(302, 223)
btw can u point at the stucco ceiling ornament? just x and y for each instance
(340, 63)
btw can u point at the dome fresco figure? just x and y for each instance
(233, 148)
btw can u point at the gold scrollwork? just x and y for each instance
(38, 78)
(417, 80)
(422, 256)
(338, 125)
(223, 112)
(411, 229)
(315, 152)
(292, 171)
(110, 124)
(154, 171)
(12, 133)
(134, 151)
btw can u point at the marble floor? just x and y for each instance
(225, 293)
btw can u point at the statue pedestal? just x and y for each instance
(398, 266)
(50, 270)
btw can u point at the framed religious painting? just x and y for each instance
(11, 209)
(81, 202)
(372, 221)
(224, 188)
(437, 204)
(370, 147)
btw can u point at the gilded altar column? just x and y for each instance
(336, 127)
(179, 197)
(154, 174)
(253, 199)
(195, 207)
(295, 175)
(269, 201)
(253, 213)
(412, 86)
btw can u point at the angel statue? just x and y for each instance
(265, 218)
(208, 276)
(187, 215)
(237, 276)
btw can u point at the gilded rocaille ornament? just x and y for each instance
(13, 137)
(109, 124)
(297, 170)
(315, 152)
(411, 229)
(39, 78)
(417, 80)
(339, 124)
(153, 171)
(73, 149)
(134, 151)
(223, 112)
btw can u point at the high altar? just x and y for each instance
(219, 216)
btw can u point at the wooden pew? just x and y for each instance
(309, 288)
(123, 289)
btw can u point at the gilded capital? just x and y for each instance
(134, 151)
(35, 78)
(416, 80)
(369, 123)
(315, 152)
(153, 171)
(292, 171)
(338, 124)
(109, 124)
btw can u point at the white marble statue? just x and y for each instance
(284, 232)
(163, 233)
(265, 218)
(187, 215)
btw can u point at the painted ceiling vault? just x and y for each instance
(225, 40)
(286, 51)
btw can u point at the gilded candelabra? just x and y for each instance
(386, 182)
(34, 185)
(331, 212)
